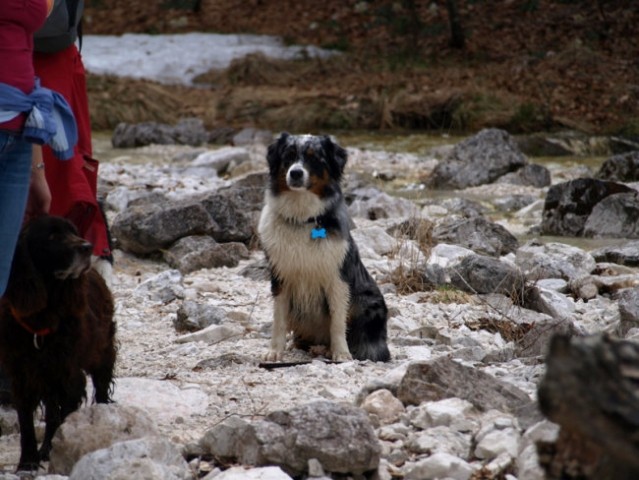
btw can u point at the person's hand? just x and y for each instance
(39, 194)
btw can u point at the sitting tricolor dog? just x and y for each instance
(322, 292)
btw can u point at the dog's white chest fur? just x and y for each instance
(313, 300)
(311, 263)
(308, 269)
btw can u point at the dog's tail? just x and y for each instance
(376, 351)
(367, 338)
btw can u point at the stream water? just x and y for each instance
(562, 168)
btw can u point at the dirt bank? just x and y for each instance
(525, 66)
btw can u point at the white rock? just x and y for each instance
(164, 400)
(149, 457)
(376, 238)
(164, 287)
(496, 442)
(221, 158)
(528, 467)
(440, 440)
(444, 254)
(241, 473)
(442, 413)
(96, 427)
(437, 466)
(384, 404)
(212, 334)
(499, 433)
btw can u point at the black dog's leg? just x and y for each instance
(59, 406)
(74, 394)
(29, 459)
(102, 375)
(52, 419)
(102, 382)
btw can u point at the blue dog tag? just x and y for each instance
(318, 233)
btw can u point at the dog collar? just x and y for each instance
(318, 231)
(41, 332)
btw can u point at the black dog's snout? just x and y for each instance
(296, 174)
(85, 247)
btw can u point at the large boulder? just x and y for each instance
(428, 381)
(477, 234)
(340, 437)
(620, 168)
(148, 457)
(568, 205)
(626, 254)
(146, 228)
(189, 254)
(94, 428)
(478, 160)
(553, 260)
(616, 216)
(481, 274)
(188, 131)
(532, 175)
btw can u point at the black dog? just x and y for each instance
(322, 291)
(56, 323)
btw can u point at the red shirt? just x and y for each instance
(19, 19)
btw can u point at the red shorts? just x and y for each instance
(73, 183)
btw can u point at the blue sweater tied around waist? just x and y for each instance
(49, 121)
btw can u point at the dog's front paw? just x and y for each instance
(342, 356)
(28, 466)
(274, 356)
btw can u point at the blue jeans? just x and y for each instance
(15, 175)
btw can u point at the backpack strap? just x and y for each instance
(79, 32)
(72, 8)
(62, 27)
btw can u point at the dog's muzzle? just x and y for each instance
(296, 177)
(80, 264)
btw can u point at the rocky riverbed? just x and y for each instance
(467, 336)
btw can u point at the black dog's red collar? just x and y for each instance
(36, 332)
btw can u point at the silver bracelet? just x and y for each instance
(38, 166)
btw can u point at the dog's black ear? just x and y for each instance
(274, 153)
(335, 154)
(26, 292)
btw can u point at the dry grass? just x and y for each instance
(408, 277)
(509, 330)
(447, 294)
(113, 100)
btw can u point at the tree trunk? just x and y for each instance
(457, 36)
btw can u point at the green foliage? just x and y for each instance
(530, 117)
(630, 128)
(190, 5)
(470, 112)
(403, 21)
(404, 60)
(529, 6)
(341, 44)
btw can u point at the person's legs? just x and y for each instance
(15, 174)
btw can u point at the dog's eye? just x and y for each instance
(289, 156)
